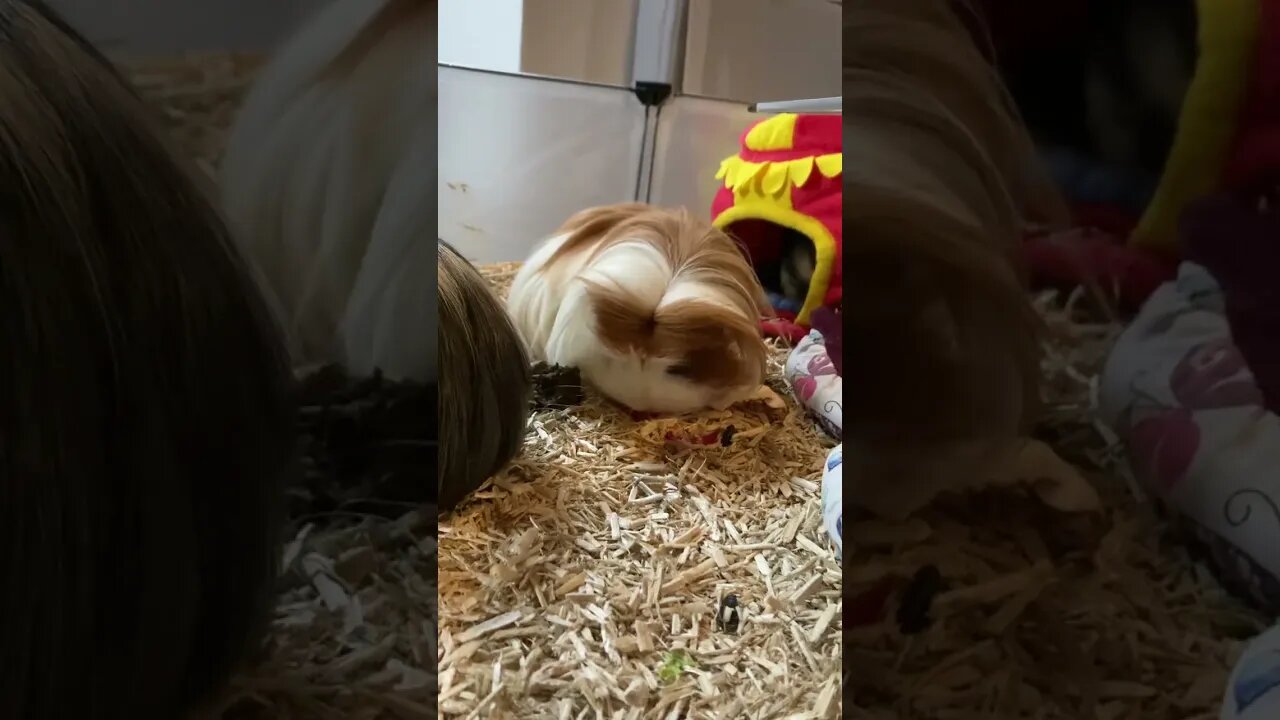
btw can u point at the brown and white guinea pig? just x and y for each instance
(146, 426)
(486, 392)
(659, 310)
(328, 180)
(940, 177)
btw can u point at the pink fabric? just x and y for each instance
(1069, 259)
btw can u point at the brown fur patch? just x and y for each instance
(715, 345)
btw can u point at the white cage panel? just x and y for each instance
(693, 136)
(519, 154)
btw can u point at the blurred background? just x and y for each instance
(744, 50)
(537, 116)
(173, 26)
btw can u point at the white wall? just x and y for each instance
(580, 39)
(743, 50)
(519, 155)
(760, 50)
(482, 34)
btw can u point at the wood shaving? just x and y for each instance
(1048, 615)
(605, 548)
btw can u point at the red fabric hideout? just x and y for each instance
(1082, 256)
(1256, 157)
(752, 218)
(783, 328)
(1019, 26)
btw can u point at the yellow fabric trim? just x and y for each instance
(781, 213)
(771, 179)
(1228, 41)
(776, 133)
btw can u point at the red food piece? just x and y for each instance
(868, 608)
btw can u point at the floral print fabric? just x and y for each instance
(815, 382)
(1253, 693)
(818, 387)
(833, 497)
(1178, 392)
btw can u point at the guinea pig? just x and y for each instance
(658, 310)
(146, 425)
(327, 179)
(799, 259)
(940, 179)
(487, 389)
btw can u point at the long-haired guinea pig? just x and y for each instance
(146, 426)
(329, 177)
(486, 390)
(939, 178)
(660, 311)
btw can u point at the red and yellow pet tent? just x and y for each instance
(787, 175)
(1227, 141)
(1228, 135)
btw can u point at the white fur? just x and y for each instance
(329, 185)
(551, 310)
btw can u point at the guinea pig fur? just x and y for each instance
(328, 179)
(146, 426)
(940, 176)
(660, 311)
(486, 393)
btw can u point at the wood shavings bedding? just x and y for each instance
(1043, 614)
(569, 581)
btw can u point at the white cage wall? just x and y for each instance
(519, 153)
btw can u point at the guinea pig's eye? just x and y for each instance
(697, 365)
(681, 369)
